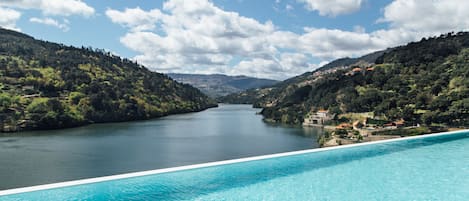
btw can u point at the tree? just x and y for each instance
(429, 117)
(5, 101)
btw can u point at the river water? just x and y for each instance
(226, 132)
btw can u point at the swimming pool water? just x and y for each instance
(429, 168)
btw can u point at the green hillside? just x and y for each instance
(422, 82)
(47, 85)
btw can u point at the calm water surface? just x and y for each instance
(226, 132)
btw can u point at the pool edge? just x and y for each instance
(209, 164)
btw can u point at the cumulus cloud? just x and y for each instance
(52, 22)
(287, 65)
(192, 34)
(52, 7)
(8, 18)
(430, 16)
(329, 44)
(409, 20)
(333, 7)
(199, 37)
(256, 67)
(135, 18)
(10, 11)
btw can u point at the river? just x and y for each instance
(226, 132)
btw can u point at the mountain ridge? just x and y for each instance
(216, 85)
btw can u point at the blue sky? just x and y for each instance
(262, 38)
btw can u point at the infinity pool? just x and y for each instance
(433, 167)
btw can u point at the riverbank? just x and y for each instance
(334, 137)
(28, 125)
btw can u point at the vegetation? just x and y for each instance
(251, 96)
(47, 85)
(405, 132)
(217, 85)
(424, 82)
(369, 58)
(260, 95)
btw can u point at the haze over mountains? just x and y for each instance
(217, 85)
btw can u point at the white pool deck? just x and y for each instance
(210, 164)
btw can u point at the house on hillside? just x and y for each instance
(396, 124)
(318, 118)
(344, 126)
(356, 70)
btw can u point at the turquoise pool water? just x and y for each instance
(430, 168)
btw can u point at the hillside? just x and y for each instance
(369, 58)
(47, 85)
(423, 82)
(256, 96)
(217, 85)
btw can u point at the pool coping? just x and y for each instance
(209, 164)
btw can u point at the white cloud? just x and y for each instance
(51, 22)
(289, 7)
(328, 44)
(333, 7)
(257, 67)
(136, 18)
(434, 16)
(198, 37)
(288, 65)
(409, 20)
(8, 18)
(192, 36)
(52, 7)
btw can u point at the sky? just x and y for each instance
(274, 39)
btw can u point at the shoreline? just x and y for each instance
(5, 133)
(334, 140)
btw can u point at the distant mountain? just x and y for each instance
(46, 85)
(217, 85)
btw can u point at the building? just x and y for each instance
(356, 70)
(318, 118)
(344, 126)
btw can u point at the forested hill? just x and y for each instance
(424, 82)
(47, 85)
